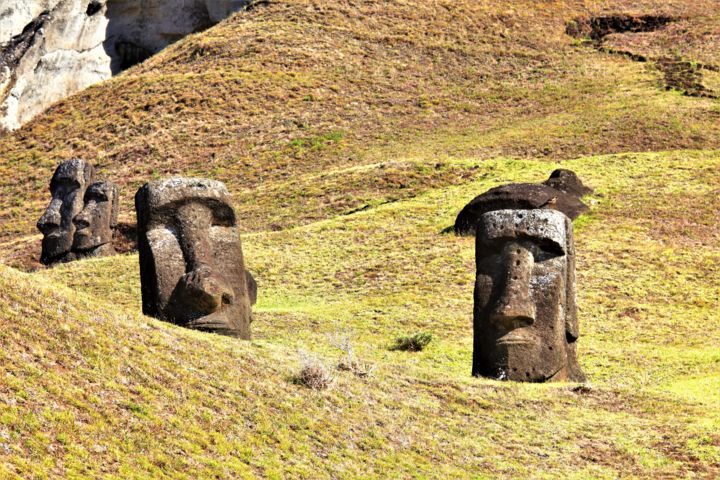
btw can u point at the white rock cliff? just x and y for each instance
(50, 49)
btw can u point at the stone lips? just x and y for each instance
(191, 263)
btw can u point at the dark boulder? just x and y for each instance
(517, 196)
(568, 182)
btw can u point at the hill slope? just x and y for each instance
(93, 388)
(271, 99)
(351, 134)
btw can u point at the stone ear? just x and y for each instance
(115, 205)
(89, 173)
(572, 328)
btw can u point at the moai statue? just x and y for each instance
(525, 315)
(562, 191)
(67, 187)
(191, 262)
(95, 222)
(568, 182)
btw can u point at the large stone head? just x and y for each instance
(525, 318)
(191, 262)
(67, 187)
(95, 222)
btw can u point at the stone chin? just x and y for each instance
(522, 357)
(525, 367)
(84, 241)
(219, 323)
(56, 245)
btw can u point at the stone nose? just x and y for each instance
(82, 219)
(514, 307)
(51, 219)
(206, 292)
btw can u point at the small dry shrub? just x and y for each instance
(314, 374)
(412, 343)
(356, 367)
(348, 362)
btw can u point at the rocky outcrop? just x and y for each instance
(50, 49)
(59, 53)
(16, 14)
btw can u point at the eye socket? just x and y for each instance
(97, 197)
(221, 220)
(541, 249)
(65, 184)
(542, 255)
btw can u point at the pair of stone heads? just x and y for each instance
(80, 218)
(525, 314)
(192, 268)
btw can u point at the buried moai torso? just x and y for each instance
(79, 220)
(191, 262)
(525, 316)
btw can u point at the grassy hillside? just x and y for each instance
(92, 388)
(351, 134)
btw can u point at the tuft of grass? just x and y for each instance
(412, 343)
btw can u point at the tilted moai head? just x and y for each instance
(562, 191)
(191, 262)
(67, 187)
(567, 182)
(95, 222)
(525, 316)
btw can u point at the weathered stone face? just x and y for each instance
(191, 262)
(94, 223)
(67, 187)
(525, 316)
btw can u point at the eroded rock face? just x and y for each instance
(561, 192)
(50, 49)
(192, 269)
(63, 54)
(68, 186)
(525, 314)
(16, 14)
